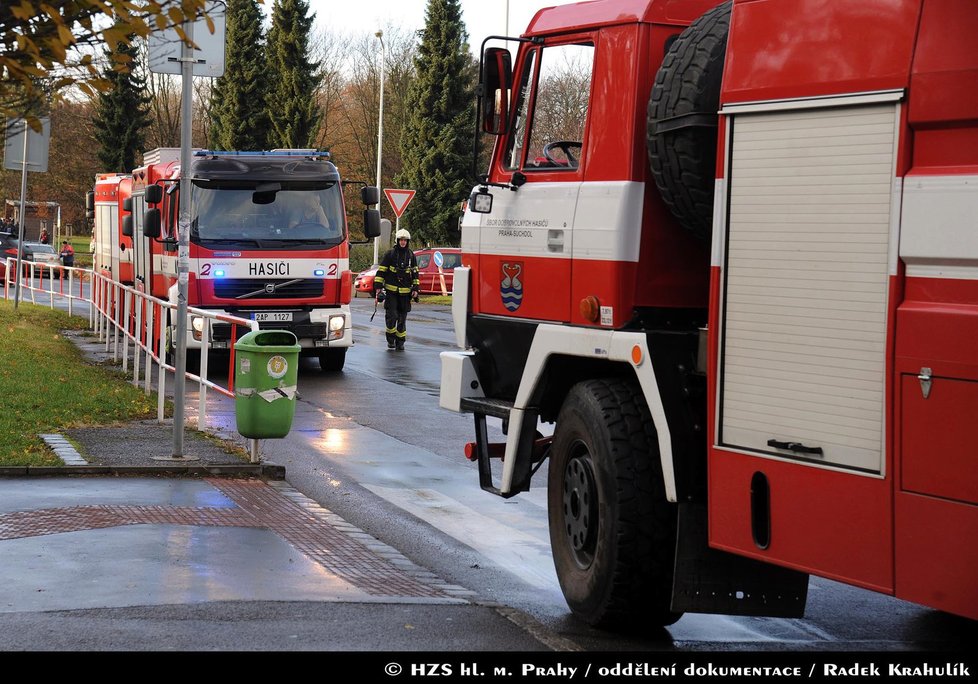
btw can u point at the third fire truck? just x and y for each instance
(739, 275)
(268, 241)
(109, 206)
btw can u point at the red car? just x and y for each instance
(428, 274)
(429, 261)
(364, 282)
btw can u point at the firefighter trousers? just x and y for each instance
(396, 308)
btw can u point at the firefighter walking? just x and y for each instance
(396, 285)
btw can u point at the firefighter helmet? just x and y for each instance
(402, 235)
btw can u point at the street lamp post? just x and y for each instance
(380, 133)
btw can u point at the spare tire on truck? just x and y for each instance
(682, 120)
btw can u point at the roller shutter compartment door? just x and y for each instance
(805, 289)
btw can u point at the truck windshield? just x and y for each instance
(292, 215)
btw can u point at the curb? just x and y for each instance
(266, 471)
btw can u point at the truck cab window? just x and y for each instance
(227, 212)
(551, 110)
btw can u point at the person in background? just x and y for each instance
(396, 285)
(45, 240)
(67, 254)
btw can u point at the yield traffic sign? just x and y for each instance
(399, 199)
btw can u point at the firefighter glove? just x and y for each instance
(381, 296)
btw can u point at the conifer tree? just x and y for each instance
(436, 146)
(294, 79)
(122, 111)
(239, 118)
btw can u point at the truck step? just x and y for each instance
(498, 408)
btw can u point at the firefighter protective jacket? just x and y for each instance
(398, 272)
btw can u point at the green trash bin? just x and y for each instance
(265, 368)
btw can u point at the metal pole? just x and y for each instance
(380, 133)
(183, 254)
(22, 215)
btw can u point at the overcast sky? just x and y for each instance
(481, 17)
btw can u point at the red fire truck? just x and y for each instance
(109, 207)
(739, 275)
(268, 241)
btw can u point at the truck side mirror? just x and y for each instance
(371, 223)
(127, 205)
(127, 225)
(154, 194)
(151, 222)
(90, 204)
(369, 195)
(497, 81)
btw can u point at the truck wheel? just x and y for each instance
(612, 532)
(332, 360)
(681, 128)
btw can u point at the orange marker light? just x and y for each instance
(637, 355)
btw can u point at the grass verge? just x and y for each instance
(45, 385)
(436, 299)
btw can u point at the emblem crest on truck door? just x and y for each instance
(511, 287)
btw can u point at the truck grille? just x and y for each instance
(237, 287)
(222, 331)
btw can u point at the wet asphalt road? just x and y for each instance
(424, 498)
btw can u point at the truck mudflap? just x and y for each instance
(708, 580)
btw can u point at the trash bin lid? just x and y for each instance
(268, 341)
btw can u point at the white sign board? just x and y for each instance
(37, 145)
(165, 46)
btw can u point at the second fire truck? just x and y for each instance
(268, 240)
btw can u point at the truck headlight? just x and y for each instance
(336, 325)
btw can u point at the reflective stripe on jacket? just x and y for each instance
(398, 272)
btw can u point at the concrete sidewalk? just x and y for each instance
(123, 548)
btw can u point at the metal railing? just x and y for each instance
(61, 281)
(134, 326)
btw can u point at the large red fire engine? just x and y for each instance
(268, 241)
(740, 276)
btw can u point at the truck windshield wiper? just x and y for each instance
(231, 241)
(302, 241)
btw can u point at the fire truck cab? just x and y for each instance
(268, 241)
(728, 250)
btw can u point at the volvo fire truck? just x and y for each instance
(739, 277)
(268, 240)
